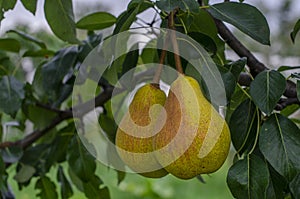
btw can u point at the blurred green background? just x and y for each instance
(135, 186)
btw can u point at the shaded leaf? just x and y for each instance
(245, 17)
(66, 189)
(60, 17)
(10, 45)
(294, 186)
(121, 176)
(11, 95)
(249, 178)
(92, 189)
(5, 6)
(284, 68)
(266, 89)
(25, 173)
(11, 154)
(185, 5)
(96, 21)
(279, 142)
(298, 89)
(29, 38)
(237, 67)
(295, 31)
(243, 126)
(30, 5)
(48, 79)
(39, 53)
(287, 111)
(80, 160)
(277, 186)
(47, 188)
(3, 176)
(228, 80)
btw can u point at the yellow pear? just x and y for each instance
(134, 138)
(195, 138)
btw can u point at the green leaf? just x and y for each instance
(92, 189)
(245, 17)
(295, 30)
(121, 176)
(185, 5)
(243, 126)
(3, 176)
(298, 89)
(80, 160)
(249, 178)
(277, 186)
(10, 45)
(125, 20)
(39, 53)
(47, 188)
(229, 81)
(66, 189)
(60, 17)
(237, 67)
(279, 142)
(96, 21)
(48, 80)
(25, 173)
(5, 6)
(30, 5)
(11, 154)
(294, 186)
(11, 95)
(284, 68)
(29, 38)
(266, 89)
(287, 111)
(206, 41)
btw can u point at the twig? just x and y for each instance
(158, 71)
(286, 102)
(171, 25)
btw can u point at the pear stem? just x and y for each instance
(159, 69)
(171, 25)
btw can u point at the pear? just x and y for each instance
(134, 137)
(195, 138)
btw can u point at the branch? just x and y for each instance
(63, 115)
(286, 102)
(255, 66)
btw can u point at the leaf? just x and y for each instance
(249, 178)
(295, 31)
(30, 5)
(284, 68)
(39, 53)
(298, 89)
(243, 126)
(60, 17)
(3, 176)
(11, 95)
(266, 89)
(10, 45)
(125, 20)
(96, 21)
(237, 67)
(279, 142)
(29, 38)
(277, 186)
(11, 154)
(229, 81)
(66, 189)
(245, 17)
(185, 5)
(48, 79)
(294, 186)
(47, 188)
(5, 6)
(25, 173)
(80, 160)
(287, 111)
(92, 189)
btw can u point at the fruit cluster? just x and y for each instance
(181, 134)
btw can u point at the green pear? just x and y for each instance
(195, 138)
(134, 138)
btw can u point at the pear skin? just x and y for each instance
(134, 138)
(195, 139)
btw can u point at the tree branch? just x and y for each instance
(79, 110)
(255, 66)
(286, 102)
